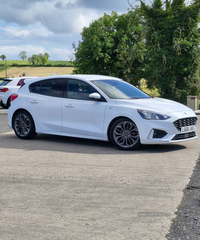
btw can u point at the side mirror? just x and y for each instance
(95, 96)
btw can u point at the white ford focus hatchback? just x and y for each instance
(98, 107)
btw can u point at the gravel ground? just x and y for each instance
(186, 224)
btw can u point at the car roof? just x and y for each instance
(91, 77)
(16, 79)
(87, 77)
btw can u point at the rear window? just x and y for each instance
(5, 82)
(21, 82)
(51, 87)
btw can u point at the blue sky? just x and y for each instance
(39, 26)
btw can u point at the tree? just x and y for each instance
(44, 60)
(47, 56)
(40, 55)
(34, 59)
(172, 41)
(23, 55)
(3, 57)
(112, 45)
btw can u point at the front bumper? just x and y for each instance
(168, 131)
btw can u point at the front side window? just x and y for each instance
(115, 89)
(77, 89)
(51, 87)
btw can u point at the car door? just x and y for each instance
(82, 116)
(45, 102)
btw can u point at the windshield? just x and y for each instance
(115, 89)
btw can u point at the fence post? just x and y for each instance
(192, 102)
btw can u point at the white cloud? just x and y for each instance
(57, 15)
(61, 53)
(13, 31)
(22, 34)
(15, 50)
(48, 25)
(10, 31)
(84, 20)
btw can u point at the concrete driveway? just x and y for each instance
(65, 188)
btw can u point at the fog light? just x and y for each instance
(158, 133)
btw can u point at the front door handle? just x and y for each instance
(69, 106)
(34, 101)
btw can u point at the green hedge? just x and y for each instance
(25, 63)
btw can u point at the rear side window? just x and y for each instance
(35, 87)
(20, 83)
(51, 87)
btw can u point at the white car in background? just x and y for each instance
(8, 87)
(98, 107)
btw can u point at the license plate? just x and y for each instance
(188, 129)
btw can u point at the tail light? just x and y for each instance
(21, 83)
(4, 90)
(13, 97)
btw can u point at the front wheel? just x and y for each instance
(23, 125)
(124, 134)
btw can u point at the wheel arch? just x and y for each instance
(114, 120)
(24, 126)
(8, 102)
(18, 110)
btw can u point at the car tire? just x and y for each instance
(23, 125)
(8, 102)
(124, 134)
(2, 105)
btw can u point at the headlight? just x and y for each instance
(152, 115)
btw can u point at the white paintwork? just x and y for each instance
(91, 119)
(46, 112)
(82, 117)
(12, 88)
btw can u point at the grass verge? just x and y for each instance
(36, 71)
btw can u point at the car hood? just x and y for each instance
(159, 105)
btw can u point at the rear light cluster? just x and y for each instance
(13, 97)
(4, 90)
(21, 83)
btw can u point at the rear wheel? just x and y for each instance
(23, 125)
(8, 103)
(124, 134)
(2, 105)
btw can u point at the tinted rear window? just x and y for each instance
(51, 87)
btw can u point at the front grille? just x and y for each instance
(185, 122)
(184, 136)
